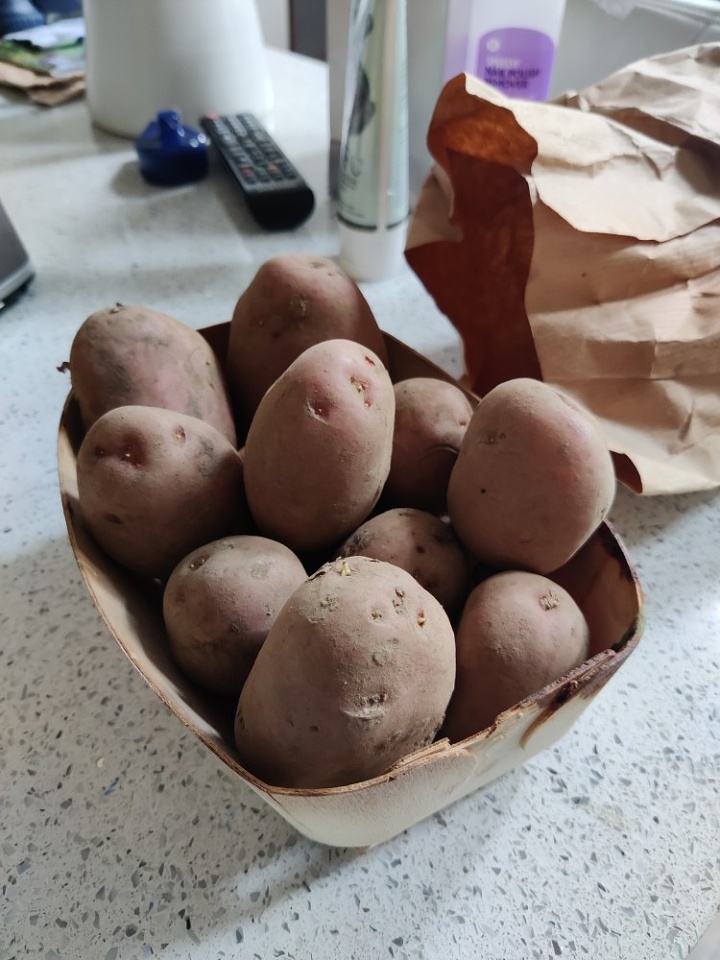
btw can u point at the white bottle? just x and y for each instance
(511, 44)
(373, 189)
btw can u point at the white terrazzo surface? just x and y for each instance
(121, 837)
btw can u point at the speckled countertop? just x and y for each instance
(122, 837)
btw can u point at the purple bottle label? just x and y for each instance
(516, 61)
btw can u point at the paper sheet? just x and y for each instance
(42, 88)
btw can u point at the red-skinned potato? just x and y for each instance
(131, 355)
(533, 478)
(423, 545)
(219, 604)
(518, 632)
(318, 450)
(154, 484)
(293, 301)
(355, 673)
(431, 417)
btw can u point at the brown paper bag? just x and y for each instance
(579, 242)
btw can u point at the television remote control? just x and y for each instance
(276, 194)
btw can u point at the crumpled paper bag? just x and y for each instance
(579, 242)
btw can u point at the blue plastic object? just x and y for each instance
(18, 15)
(54, 9)
(169, 153)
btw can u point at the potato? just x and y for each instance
(294, 301)
(219, 604)
(519, 631)
(420, 543)
(431, 417)
(318, 451)
(355, 673)
(533, 478)
(154, 484)
(134, 356)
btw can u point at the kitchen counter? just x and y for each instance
(121, 836)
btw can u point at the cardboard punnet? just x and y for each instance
(600, 577)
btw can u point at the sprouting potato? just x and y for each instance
(318, 450)
(220, 602)
(533, 479)
(518, 632)
(431, 417)
(130, 355)
(154, 484)
(355, 673)
(420, 543)
(294, 301)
